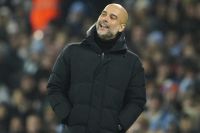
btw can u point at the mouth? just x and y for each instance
(103, 26)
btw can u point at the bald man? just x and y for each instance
(98, 85)
(112, 20)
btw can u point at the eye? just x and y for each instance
(112, 16)
(103, 13)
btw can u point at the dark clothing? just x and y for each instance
(94, 92)
(105, 45)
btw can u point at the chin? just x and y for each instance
(104, 35)
(101, 33)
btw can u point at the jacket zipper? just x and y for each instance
(103, 93)
(92, 87)
(102, 56)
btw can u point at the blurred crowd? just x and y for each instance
(164, 33)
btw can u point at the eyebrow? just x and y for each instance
(103, 12)
(113, 15)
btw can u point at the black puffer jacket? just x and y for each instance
(93, 92)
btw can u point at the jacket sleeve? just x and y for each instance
(135, 97)
(58, 85)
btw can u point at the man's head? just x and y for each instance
(112, 20)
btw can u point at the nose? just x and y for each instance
(105, 18)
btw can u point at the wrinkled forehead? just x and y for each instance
(117, 10)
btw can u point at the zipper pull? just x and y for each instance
(102, 56)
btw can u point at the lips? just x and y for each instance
(103, 26)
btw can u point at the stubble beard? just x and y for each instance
(105, 35)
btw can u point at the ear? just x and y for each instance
(122, 27)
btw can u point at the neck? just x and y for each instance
(104, 44)
(106, 38)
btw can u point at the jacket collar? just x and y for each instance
(120, 45)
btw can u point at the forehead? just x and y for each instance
(113, 10)
(118, 11)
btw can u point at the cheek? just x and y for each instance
(99, 18)
(114, 28)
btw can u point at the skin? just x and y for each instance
(112, 20)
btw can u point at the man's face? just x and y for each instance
(110, 22)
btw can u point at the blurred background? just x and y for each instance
(164, 33)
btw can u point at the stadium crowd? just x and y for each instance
(164, 33)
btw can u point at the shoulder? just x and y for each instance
(136, 61)
(71, 47)
(132, 55)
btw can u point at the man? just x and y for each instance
(98, 85)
